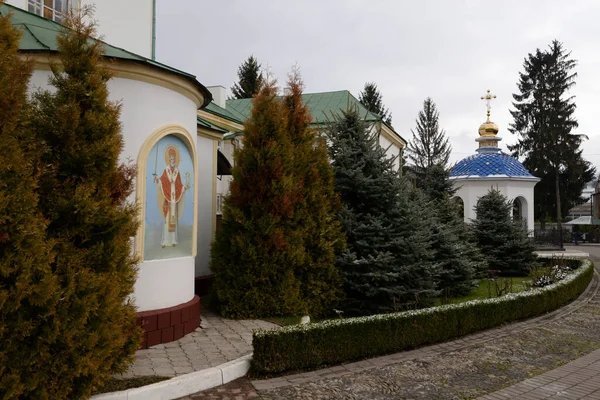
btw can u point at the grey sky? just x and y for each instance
(449, 50)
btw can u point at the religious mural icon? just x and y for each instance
(169, 208)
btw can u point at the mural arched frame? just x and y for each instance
(184, 135)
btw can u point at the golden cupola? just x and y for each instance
(488, 139)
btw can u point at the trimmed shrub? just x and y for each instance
(335, 341)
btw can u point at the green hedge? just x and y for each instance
(300, 347)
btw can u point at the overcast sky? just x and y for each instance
(451, 51)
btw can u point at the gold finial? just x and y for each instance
(488, 102)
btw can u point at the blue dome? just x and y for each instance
(490, 165)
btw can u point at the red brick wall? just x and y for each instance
(169, 324)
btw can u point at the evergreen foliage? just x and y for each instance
(83, 195)
(372, 100)
(316, 213)
(544, 121)
(274, 253)
(504, 242)
(250, 79)
(429, 145)
(454, 248)
(386, 266)
(27, 287)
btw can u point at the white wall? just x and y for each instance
(391, 150)
(470, 190)
(146, 108)
(18, 3)
(205, 150)
(122, 23)
(125, 24)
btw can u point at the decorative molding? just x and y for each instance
(209, 134)
(186, 137)
(220, 121)
(131, 70)
(391, 136)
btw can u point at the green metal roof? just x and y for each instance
(231, 115)
(322, 106)
(39, 36)
(207, 124)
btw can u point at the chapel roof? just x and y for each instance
(490, 165)
(38, 35)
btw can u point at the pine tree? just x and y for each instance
(27, 287)
(83, 194)
(429, 145)
(544, 121)
(316, 212)
(503, 241)
(386, 266)
(250, 79)
(372, 100)
(258, 247)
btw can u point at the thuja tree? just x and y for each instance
(27, 287)
(259, 245)
(387, 264)
(504, 242)
(316, 211)
(83, 195)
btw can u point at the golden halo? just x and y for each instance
(172, 149)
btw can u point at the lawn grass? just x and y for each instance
(486, 289)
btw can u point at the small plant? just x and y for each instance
(556, 269)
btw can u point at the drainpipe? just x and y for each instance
(153, 29)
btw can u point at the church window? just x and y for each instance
(51, 9)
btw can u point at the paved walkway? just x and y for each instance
(219, 340)
(216, 342)
(579, 379)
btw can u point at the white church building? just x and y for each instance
(490, 168)
(176, 161)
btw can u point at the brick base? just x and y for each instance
(169, 324)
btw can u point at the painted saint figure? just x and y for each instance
(170, 196)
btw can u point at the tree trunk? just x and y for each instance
(558, 206)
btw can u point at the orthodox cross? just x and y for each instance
(488, 101)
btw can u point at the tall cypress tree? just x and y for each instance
(258, 247)
(373, 101)
(503, 241)
(316, 212)
(544, 121)
(429, 145)
(83, 194)
(250, 79)
(28, 290)
(387, 263)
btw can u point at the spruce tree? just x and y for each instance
(83, 194)
(316, 212)
(250, 79)
(259, 246)
(28, 290)
(429, 145)
(454, 249)
(544, 121)
(372, 100)
(503, 241)
(387, 263)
